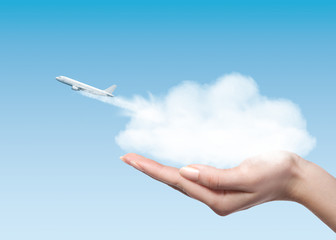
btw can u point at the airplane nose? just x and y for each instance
(58, 78)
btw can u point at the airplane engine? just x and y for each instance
(75, 88)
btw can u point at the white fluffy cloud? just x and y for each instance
(219, 124)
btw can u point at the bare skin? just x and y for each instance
(268, 177)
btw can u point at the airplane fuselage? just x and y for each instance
(79, 86)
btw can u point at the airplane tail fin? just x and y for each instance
(111, 89)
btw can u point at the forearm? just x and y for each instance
(316, 189)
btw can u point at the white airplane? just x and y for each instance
(78, 86)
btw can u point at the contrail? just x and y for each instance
(115, 101)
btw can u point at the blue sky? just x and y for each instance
(60, 173)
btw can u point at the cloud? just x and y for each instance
(220, 124)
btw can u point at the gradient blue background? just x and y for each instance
(60, 173)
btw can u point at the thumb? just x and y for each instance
(214, 178)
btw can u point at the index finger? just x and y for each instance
(171, 176)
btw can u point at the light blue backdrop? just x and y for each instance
(60, 173)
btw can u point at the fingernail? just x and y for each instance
(136, 165)
(123, 159)
(190, 173)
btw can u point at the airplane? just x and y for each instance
(79, 86)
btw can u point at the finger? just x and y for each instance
(214, 178)
(172, 186)
(179, 190)
(160, 172)
(171, 176)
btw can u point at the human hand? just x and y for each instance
(267, 177)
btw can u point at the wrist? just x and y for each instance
(298, 184)
(314, 188)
